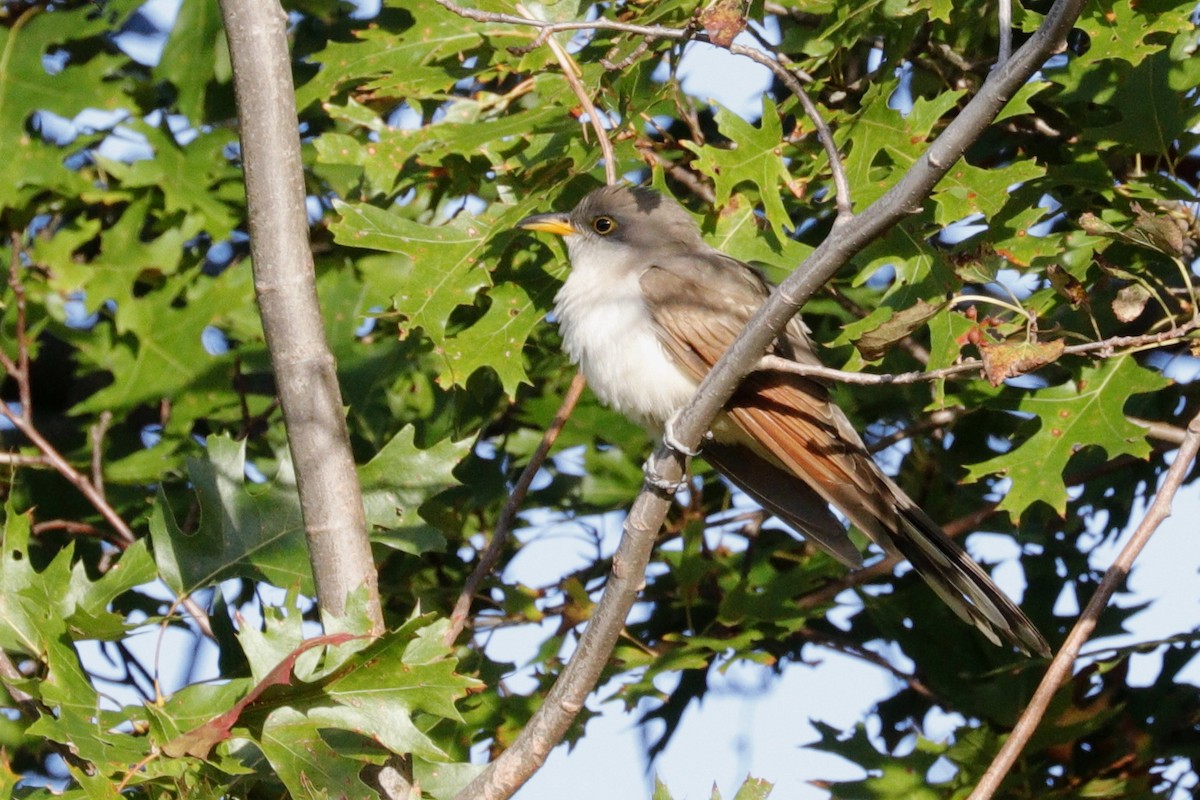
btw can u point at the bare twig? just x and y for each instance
(844, 645)
(1171, 434)
(97, 436)
(1106, 348)
(124, 533)
(937, 419)
(22, 460)
(680, 173)
(285, 284)
(1004, 22)
(508, 515)
(571, 73)
(1114, 577)
(70, 526)
(779, 67)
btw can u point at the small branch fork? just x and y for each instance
(506, 773)
(1114, 578)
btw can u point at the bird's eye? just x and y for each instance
(604, 225)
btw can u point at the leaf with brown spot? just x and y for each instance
(1087, 411)
(1004, 360)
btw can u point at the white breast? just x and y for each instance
(608, 332)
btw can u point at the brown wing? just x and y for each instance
(787, 417)
(696, 326)
(788, 420)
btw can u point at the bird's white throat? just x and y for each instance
(607, 330)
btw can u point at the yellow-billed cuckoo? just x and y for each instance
(647, 310)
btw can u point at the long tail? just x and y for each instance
(962, 583)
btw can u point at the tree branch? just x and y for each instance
(1114, 578)
(285, 284)
(1106, 348)
(508, 515)
(546, 728)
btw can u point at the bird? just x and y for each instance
(647, 309)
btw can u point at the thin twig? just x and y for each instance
(844, 645)
(97, 436)
(1106, 348)
(1171, 434)
(123, 532)
(1004, 22)
(1114, 578)
(23, 460)
(937, 419)
(508, 515)
(20, 370)
(680, 173)
(845, 210)
(571, 73)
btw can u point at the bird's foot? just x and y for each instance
(650, 471)
(671, 441)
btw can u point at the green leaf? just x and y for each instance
(739, 233)
(89, 80)
(1153, 112)
(967, 190)
(400, 60)
(306, 763)
(86, 606)
(163, 353)
(884, 143)
(125, 255)
(444, 268)
(194, 179)
(754, 789)
(398, 480)
(442, 264)
(195, 54)
(26, 621)
(1087, 411)
(1128, 31)
(245, 530)
(756, 157)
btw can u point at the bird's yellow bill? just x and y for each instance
(558, 224)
